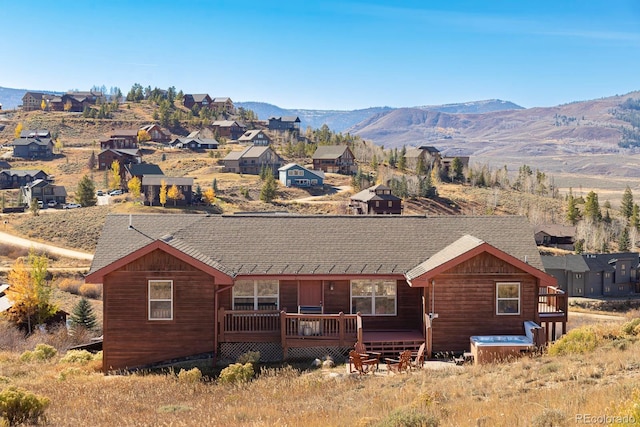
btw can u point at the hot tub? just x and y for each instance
(495, 348)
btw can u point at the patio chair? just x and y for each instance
(418, 356)
(362, 350)
(361, 365)
(402, 364)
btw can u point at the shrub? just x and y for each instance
(77, 356)
(91, 290)
(409, 418)
(69, 372)
(236, 373)
(577, 341)
(41, 353)
(191, 376)
(11, 338)
(69, 285)
(18, 406)
(632, 327)
(550, 417)
(252, 357)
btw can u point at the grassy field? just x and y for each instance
(592, 378)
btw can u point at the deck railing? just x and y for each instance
(553, 308)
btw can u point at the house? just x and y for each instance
(5, 302)
(447, 161)
(223, 104)
(32, 148)
(200, 99)
(190, 284)
(77, 101)
(229, 129)
(376, 200)
(251, 160)
(44, 191)
(151, 185)
(294, 175)
(195, 143)
(285, 123)
(595, 275)
(157, 133)
(122, 156)
(335, 159)
(429, 155)
(32, 101)
(139, 170)
(121, 139)
(15, 178)
(555, 235)
(255, 137)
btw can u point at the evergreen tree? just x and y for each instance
(573, 214)
(83, 315)
(634, 221)
(269, 189)
(91, 164)
(624, 242)
(455, 170)
(626, 205)
(592, 208)
(421, 169)
(579, 246)
(86, 192)
(402, 159)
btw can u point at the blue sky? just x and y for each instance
(328, 54)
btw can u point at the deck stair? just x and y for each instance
(392, 343)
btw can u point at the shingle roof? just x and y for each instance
(250, 135)
(21, 173)
(329, 152)
(291, 244)
(370, 194)
(139, 169)
(297, 166)
(168, 180)
(556, 230)
(29, 141)
(574, 263)
(462, 245)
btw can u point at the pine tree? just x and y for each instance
(92, 161)
(626, 205)
(573, 214)
(634, 221)
(592, 208)
(402, 159)
(624, 242)
(86, 192)
(83, 315)
(269, 189)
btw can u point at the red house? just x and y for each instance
(176, 286)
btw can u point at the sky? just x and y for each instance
(329, 55)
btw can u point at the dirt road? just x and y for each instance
(26, 243)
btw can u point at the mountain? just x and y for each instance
(337, 120)
(474, 107)
(562, 136)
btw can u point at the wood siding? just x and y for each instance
(130, 339)
(465, 301)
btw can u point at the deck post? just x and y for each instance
(220, 325)
(341, 328)
(283, 334)
(359, 328)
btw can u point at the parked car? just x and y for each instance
(40, 204)
(72, 206)
(52, 203)
(99, 193)
(115, 192)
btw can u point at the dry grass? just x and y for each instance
(537, 391)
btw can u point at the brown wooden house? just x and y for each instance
(157, 133)
(292, 286)
(229, 129)
(122, 156)
(121, 139)
(334, 158)
(376, 200)
(200, 99)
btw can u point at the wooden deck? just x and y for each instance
(391, 343)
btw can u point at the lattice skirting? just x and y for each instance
(272, 352)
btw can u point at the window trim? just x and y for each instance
(150, 300)
(518, 299)
(373, 298)
(255, 295)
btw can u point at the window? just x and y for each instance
(578, 276)
(390, 203)
(255, 295)
(160, 299)
(508, 298)
(374, 297)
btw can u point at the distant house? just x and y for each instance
(555, 235)
(200, 99)
(15, 178)
(429, 155)
(77, 101)
(32, 101)
(223, 104)
(294, 175)
(376, 200)
(43, 191)
(151, 185)
(121, 139)
(35, 133)
(139, 170)
(229, 129)
(334, 159)
(251, 160)
(285, 123)
(447, 161)
(32, 148)
(255, 137)
(195, 141)
(595, 275)
(157, 133)
(122, 156)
